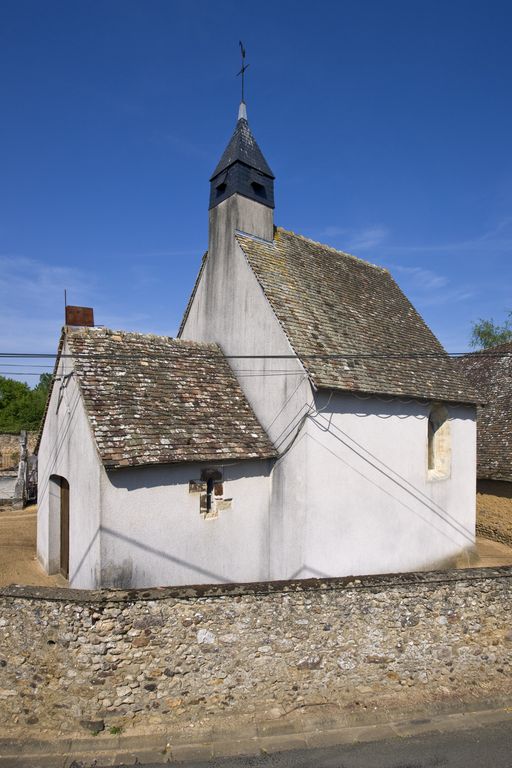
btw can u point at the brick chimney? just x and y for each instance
(79, 316)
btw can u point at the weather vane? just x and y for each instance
(244, 67)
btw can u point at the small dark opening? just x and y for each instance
(221, 188)
(209, 494)
(259, 189)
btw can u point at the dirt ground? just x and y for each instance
(18, 561)
(489, 554)
(494, 511)
(19, 564)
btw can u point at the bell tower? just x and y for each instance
(242, 169)
(241, 188)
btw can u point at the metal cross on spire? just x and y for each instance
(244, 67)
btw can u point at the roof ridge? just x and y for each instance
(331, 248)
(90, 331)
(488, 350)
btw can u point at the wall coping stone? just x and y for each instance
(195, 591)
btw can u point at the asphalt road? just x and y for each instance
(485, 747)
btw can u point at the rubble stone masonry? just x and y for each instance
(71, 660)
(10, 448)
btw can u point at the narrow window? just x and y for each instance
(209, 495)
(431, 442)
(439, 450)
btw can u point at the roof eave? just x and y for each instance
(116, 466)
(50, 389)
(395, 396)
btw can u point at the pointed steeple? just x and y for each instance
(242, 168)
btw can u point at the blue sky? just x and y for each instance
(388, 124)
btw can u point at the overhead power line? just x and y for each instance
(26, 365)
(205, 353)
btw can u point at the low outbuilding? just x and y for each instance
(146, 441)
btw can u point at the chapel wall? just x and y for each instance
(372, 504)
(156, 529)
(67, 450)
(230, 308)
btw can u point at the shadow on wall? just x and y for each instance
(120, 575)
(425, 504)
(415, 494)
(135, 478)
(355, 405)
(502, 488)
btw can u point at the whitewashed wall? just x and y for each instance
(67, 449)
(152, 531)
(230, 308)
(371, 507)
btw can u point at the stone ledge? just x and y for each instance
(195, 591)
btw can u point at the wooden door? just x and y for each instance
(64, 527)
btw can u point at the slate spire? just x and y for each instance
(242, 168)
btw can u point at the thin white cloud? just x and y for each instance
(32, 302)
(421, 278)
(333, 231)
(367, 238)
(445, 297)
(26, 284)
(355, 240)
(427, 288)
(498, 240)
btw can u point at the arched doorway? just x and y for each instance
(64, 527)
(59, 526)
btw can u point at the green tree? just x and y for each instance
(45, 380)
(20, 406)
(487, 333)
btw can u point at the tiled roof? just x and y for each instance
(491, 372)
(244, 148)
(157, 400)
(331, 303)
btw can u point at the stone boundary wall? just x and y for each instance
(74, 659)
(495, 533)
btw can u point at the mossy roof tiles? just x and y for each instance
(331, 303)
(491, 372)
(156, 400)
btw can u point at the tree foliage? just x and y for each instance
(487, 333)
(20, 406)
